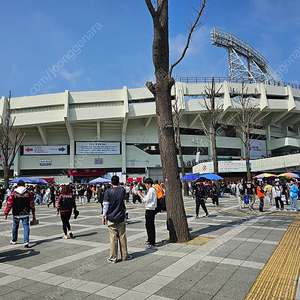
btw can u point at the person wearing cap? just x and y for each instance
(21, 201)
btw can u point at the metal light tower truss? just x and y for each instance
(255, 68)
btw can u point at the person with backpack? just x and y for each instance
(21, 202)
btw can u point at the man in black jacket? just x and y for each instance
(114, 215)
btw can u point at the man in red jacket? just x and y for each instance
(21, 201)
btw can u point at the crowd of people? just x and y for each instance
(113, 197)
(278, 192)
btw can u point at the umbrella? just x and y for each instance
(265, 175)
(100, 180)
(26, 180)
(211, 176)
(289, 175)
(39, 181)
(190, 177)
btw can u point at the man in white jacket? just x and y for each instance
(150, 201)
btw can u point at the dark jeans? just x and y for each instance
(65, 218)
(200, 201)
(150, 226)
(215, 199)
(261, 203)
(277, 201)
(52, 200)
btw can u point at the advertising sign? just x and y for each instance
(98, 148)
(45, 150)
(224, 167)
(256, 148)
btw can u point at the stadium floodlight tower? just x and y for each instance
(256, 69)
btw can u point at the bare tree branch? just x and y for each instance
(150, 8)
(188, 38)
(9, 145)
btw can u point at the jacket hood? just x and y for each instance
(20, 189)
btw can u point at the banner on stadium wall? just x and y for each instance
(223, 166)
(98, 148)
(45, 150)
(256, 148)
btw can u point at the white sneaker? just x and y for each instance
(12, 242)
(196, 217)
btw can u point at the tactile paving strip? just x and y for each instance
(278, 279)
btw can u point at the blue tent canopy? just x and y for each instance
(39, 181)
(190, 177)
(26, 180)
(211, 176)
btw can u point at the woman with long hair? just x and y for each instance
(65, 205)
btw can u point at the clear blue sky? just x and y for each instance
(44, 39)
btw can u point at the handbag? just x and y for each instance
(34, 221)
(283, 198)
(246, 199)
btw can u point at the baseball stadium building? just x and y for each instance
(83, 135)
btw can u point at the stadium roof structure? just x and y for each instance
(245, 63)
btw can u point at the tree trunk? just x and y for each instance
(176, 217)
(182, 165)
(214, 150)
(6, 177)
(247, 157)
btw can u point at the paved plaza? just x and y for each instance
(224, 268)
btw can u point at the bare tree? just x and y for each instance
(10, 143)
(246, 122)
(214, 108)
(161, 89)
(177, 118)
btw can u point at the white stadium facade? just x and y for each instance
(75, 136)
(82, 135)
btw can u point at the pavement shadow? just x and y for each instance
(13, 255)
(212, 228)
(143, 253)
(133, 222)
(36, 243)
(85, 234)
